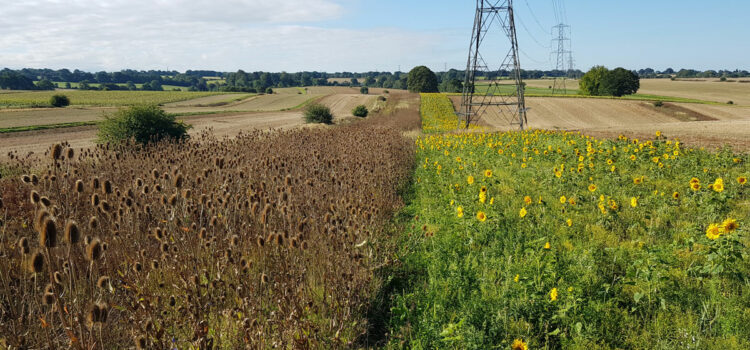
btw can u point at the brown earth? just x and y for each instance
(694, 124)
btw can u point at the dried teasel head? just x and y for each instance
(78, 186)
(94, 250)
(95, 184)
(103, 282)
(35, 262)
(48, 233)
(93, 222)
(55, 151)
(23, 245)
(48, 299)
(140, 342)
(70, 153)
(72, 233)
(34, 197)
(107, 187)
(235, 240)
(95, 200)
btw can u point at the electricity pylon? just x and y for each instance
(564, 61)
(508, 98)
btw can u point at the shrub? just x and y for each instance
(318, 113)
(59, 101)
(723, 79)
(364, 90)
(360, 111)
(385, 91)
(381, 98)
(658, 103)
(730, 102)
(142, 123)
(269, 91)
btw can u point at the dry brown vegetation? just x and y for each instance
(264, 240)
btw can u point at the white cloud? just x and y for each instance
(181, 34)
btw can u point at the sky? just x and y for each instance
(362, 35)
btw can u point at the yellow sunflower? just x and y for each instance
(633, 202)
(592, 188)
(481, 216)
(695, 186)
(742, 180)
(522, 212)
(470, 180)
(713, 232)
(519, 344)
(553, 294)
(563, 199)
(488, 173)
(729, 225)
(460, 211)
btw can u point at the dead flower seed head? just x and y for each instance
(103, 282)
(72, 234)
(23, 245)
(94, 250)
(48, 234)
(34, 197)
(56, 151)
(36, 262)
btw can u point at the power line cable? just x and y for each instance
(544, 29)
(532, 35)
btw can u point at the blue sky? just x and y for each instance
(359, 35)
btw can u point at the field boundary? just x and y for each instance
(636, 97)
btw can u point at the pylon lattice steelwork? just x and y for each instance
(509, 99)
(564, 61)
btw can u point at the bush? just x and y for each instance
(269, 91)
(360, 111)
(59, 101)
(381, 98)
(143, 123)
(730, 102)
(658, 103)
(385, 91)
(723, 79)
(318, 113)
(364, 90)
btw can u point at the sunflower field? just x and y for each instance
(543, 239)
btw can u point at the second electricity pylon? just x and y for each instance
(509, 98)
(564, 55)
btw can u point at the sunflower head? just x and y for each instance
(713, 231)
(729, 225)
(519, 344)
(481, 216)
(592, 188)
(742, 180)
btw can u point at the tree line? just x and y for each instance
(209, 80)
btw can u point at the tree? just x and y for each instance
(422, 79)
(360, 111)
(599, 81)
(354, 81)
(589, 84)
(318, 113)
(45, 84)
(59, 101)
(452, 85)
(364, 90)
(619, 82)
(142, 123)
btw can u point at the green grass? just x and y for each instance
(627, 273)
(99, 98)
(45, 127)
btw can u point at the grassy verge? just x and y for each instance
(45, 127)
(558, 240)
